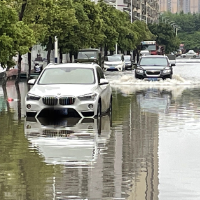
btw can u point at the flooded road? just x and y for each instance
(148, 149)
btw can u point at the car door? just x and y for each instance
(105, 91)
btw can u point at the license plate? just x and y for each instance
(152, 79)
(112, 67)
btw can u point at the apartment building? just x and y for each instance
(176, 6)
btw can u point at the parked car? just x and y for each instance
(70, 89)
(128, 62)
(114, 62)
(189, 54)
(154, 67)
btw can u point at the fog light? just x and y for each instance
(28, 106)
(90, 106)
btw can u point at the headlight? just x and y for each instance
(88, 97)
(106, 65)
(167, 70)
(139, 71)
(32, 97)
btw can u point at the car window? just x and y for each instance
(87, 55)
(114, 58)
(153, 61)
(67, 75)
(127, 58)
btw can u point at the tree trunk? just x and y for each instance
(19, 69)
(61, 56)
(19, 101)
(49, 48)
(29, 62)
(106, 50)
(70, 56)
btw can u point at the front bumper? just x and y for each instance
(153, 73)
(113, 68)
(77, 109)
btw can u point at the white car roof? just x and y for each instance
(63, 65)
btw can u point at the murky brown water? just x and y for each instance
(148, 149)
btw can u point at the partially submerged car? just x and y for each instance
(154, 67)
(70, 89)
(128, 61)
(114, 62)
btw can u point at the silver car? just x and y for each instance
(71, 89)
(190, 54)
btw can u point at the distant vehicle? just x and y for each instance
(149, 46)
(128, 62)
(70, 89)
(38, 64)
(90, 56)
(189, 54)
(114, 62)
(154, 67)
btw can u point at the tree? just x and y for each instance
(15, 36)
(165, 36)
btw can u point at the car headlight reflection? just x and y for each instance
(88, 97)
(32, 97)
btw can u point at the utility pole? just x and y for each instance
(131, 11)
(116, 42)
(56, 49)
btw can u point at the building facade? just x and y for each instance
(146, 10)
(176, 6)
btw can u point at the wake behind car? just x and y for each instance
(71, 89)
(114, 62)
(154, 67)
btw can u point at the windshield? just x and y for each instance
(87, 55)
(154, 61)
(149, 47)
(114, 58)
(127, 58)
(67, 75)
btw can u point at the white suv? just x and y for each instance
(71, 89)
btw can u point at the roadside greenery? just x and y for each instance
(189, 28)
(76, 23)
(166, 36)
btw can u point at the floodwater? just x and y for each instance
(147, 150)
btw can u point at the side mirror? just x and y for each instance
(31, 81)
(103, 81)
(106, 58)
(173, 64)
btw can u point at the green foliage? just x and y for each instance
(15, 36)
(165, 36)
(189, 28)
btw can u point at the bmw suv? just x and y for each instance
(154, 67)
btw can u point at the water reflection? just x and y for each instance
(154, 100)
(68, 141)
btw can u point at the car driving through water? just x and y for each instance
(71, 89)
(154, 67)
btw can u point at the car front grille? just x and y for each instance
(52, 101)
(66, 100)
(149, 73)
